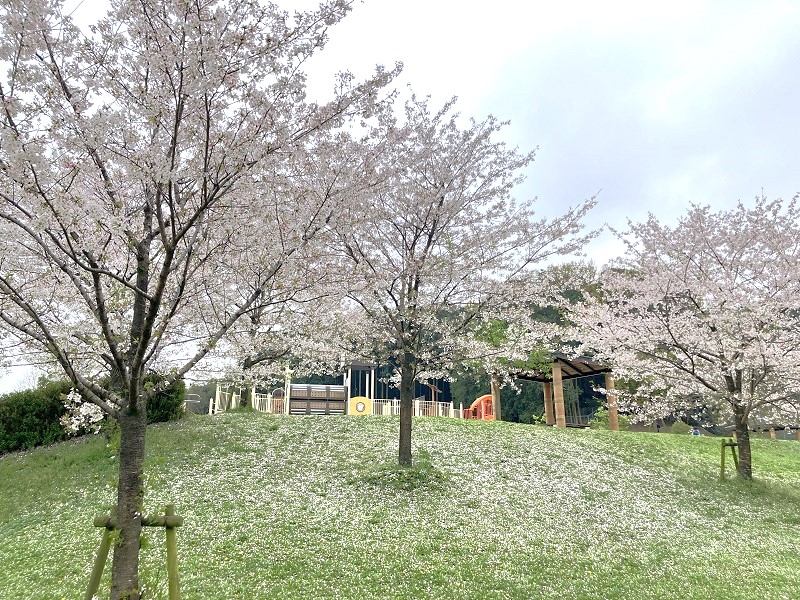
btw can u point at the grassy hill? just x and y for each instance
(305, 507)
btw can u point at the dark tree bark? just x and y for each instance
(745, 470)
(133, 426)
(406, 408)
(130, 495)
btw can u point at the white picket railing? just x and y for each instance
(430, 408)
(268, 403)
(227, 398)
(386, 406)
(224, 400)
(420, 408)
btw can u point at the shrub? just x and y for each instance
(168, 404)
(38, 417)
(680, 427)
(600, 420)
(32, 417)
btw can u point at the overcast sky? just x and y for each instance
(657, 104)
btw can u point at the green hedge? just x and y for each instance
(166, 405)
(31, 417)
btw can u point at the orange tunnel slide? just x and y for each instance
(480, 409)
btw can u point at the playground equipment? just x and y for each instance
(359, 405)
(317, 399)
(480, 409)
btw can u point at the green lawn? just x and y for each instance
(305, 507)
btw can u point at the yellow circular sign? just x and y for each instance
(360, 405)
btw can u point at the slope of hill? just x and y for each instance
(306, 507)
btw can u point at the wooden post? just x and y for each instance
(558, 393)
(722, 461)
(732, 445)
(613, 415)
(549, 417)
(99, 565)
(172, 555)
(287, 387)
(213, 406)
(797, 434)
(772, 434)
(169, 521)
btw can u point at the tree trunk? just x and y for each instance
(406, 408)
(130, 493)
(745, 470)
(246, 398)
(495, 389)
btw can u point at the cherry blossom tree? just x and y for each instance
(441, 248)
(295, 329)
(157, 187)
(705, 312)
